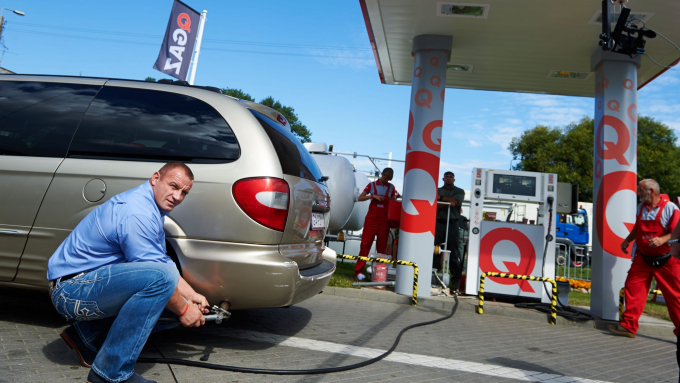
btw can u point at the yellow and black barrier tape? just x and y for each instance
(414, 298)
(622, 304)
(553, 303)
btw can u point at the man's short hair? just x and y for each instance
(651, 184)
(170, 166)
(388, 171)
(447, 173)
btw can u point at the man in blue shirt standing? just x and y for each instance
(113, 277)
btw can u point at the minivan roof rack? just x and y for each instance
(185, 83)
(161, 81)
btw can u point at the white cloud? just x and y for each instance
(673, 124)
(502, 135)
(662, 107)
(557, 116)
(344, 58)
(475, 144)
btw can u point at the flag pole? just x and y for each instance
(204, 16)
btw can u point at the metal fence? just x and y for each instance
(572, 261)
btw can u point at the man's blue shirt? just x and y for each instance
(126, 228)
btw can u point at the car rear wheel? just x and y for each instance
(561, 258)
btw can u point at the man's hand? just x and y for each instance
(199, 301)
(656, 242)
(377, 197)
(193, 317)
(624, 246)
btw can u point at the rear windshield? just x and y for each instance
(294, 157)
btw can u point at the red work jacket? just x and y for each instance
(377, 210)
(648, 229)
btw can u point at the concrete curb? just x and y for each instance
(648, 326)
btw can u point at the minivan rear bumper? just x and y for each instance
(247, 275)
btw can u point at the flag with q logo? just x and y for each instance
(178, 44)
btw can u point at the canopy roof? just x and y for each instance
(535, 46)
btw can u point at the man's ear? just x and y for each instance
(154, 178)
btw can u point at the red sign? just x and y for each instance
(611, 184)
(425, 220)
(527, 259)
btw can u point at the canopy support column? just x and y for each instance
(614, 176)
(423, 146)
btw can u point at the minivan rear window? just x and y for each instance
(148, 125)
(294, 158)
(37, 119)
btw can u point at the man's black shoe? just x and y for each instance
(72, 339)
(92, 377)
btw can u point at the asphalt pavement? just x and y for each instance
(333, 330)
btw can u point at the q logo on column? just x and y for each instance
(527, 254)
(427, 136)
(422, 167)
(424, 101)
(615, 150)
(611, 184)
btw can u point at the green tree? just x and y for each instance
(296, 126)
(658, 155)
(238, 93)
(569, 153)
(150, 79)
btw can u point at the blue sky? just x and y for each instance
(312, 55)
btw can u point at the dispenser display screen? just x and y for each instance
(514, 184)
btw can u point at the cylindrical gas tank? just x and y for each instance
(341, 186)
(379, 274)
(356, 219)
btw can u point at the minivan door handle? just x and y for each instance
(14, 232)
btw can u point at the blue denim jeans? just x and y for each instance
(120, 303)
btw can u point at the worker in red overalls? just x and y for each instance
(380, 192)
(657, 218)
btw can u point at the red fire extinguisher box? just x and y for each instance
(394, 214)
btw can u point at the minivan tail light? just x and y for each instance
(265, 200)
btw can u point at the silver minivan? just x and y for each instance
(251, 231)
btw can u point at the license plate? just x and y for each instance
(318, 223)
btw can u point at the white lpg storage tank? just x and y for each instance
(341, 183)
(356, 219)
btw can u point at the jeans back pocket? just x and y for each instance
(77, 309)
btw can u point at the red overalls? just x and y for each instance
(640, 274)
(375, 223)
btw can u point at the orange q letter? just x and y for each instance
(184, 22)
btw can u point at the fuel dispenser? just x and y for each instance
(509, 247)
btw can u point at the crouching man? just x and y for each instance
(113, 277)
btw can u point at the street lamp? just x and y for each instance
(13, 10)
(2, 19)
